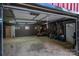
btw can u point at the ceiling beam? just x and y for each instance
(35, 17)
(45, 17)
(23, 19)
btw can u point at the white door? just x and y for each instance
(70, 29)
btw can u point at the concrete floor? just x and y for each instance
(36, 46)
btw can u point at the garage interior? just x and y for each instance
(38, 33)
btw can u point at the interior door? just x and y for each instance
(24, 30)
(70, 29)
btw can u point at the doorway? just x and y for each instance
(70, 30)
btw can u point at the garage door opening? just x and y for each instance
(33, 32)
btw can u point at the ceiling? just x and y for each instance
(33, 15)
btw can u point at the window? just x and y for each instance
(27, 27)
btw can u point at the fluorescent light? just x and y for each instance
(25, 21)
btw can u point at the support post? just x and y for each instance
(77, 36)
(1, 29)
